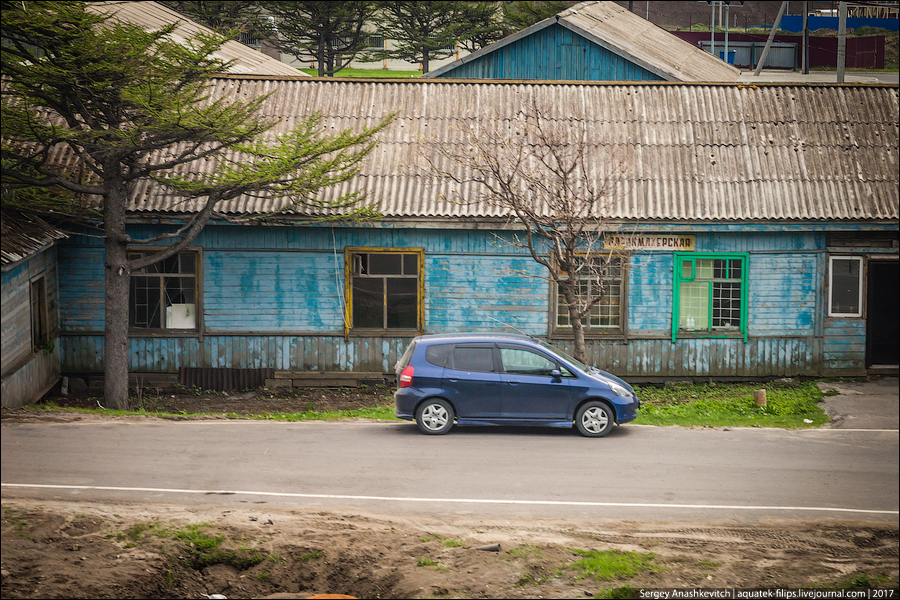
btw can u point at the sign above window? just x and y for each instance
(648, 241)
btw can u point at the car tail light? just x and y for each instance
(406, 376)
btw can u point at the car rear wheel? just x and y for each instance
(434, 417)
(595, 419)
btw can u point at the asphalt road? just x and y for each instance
(638, 472)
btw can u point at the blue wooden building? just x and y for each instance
(591, 41)
(30, 301)
(755, 235)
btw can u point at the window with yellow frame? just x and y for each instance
(384, 289)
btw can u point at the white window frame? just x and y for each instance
(859, 299)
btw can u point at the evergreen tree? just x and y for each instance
(227, 17)
(522, 14)
(425, 31)
(331, 34)
(123, 106)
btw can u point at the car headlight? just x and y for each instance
(619, 390)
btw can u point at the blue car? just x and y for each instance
(500, 379)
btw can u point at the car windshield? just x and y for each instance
(574, 361)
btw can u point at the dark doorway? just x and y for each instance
(882, 309)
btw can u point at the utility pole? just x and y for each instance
(805, 51)
(765, 54)
(727, 9)
(842, 41)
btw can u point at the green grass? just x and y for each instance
(386, 73)
(788, 406)
(609, 565)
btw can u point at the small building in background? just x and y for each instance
(592, 41)
(30, 308)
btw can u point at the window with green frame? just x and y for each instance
(710, 295)
(385, 289)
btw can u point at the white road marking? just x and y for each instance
(451, 500)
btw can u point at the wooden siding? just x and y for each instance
(844, 347)
(322, 353)
(553, 53)
(702, 358)
(27, 375)
(272, 298)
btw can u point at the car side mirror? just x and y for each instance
(556, 375)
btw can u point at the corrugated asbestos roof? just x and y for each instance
(693, 152)
(152, 16)
(630, 36)
(22, 236)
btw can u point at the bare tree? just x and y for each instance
(554, 179)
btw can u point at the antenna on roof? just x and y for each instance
(510, 326)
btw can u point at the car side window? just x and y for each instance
(472, 358)
(438, 354)
(522, 361)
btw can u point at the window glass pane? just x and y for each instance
(402, 302)
(726, 312)
(845, 282)
(169, 265)
(385, 264)
(180, 303)
(473, 359)
(694, 303)
(368, 302)
(410, 264)
(525, 362)
(687, 270)
(437, 355)
(145, 302)
(361, 264)
(188, 260)
(704, 269)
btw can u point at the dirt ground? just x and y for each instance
(53, 549)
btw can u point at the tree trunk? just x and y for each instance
(320, 57)
(115, 353)
(568, 290)
(578, 330)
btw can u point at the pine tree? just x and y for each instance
(331, 34)
(426, 31)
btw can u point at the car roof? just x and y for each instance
(475, 337)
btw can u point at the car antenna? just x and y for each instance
(510, 326)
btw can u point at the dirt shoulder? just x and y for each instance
(57, 549)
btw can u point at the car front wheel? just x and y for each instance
(595, 419)
(434, 417)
